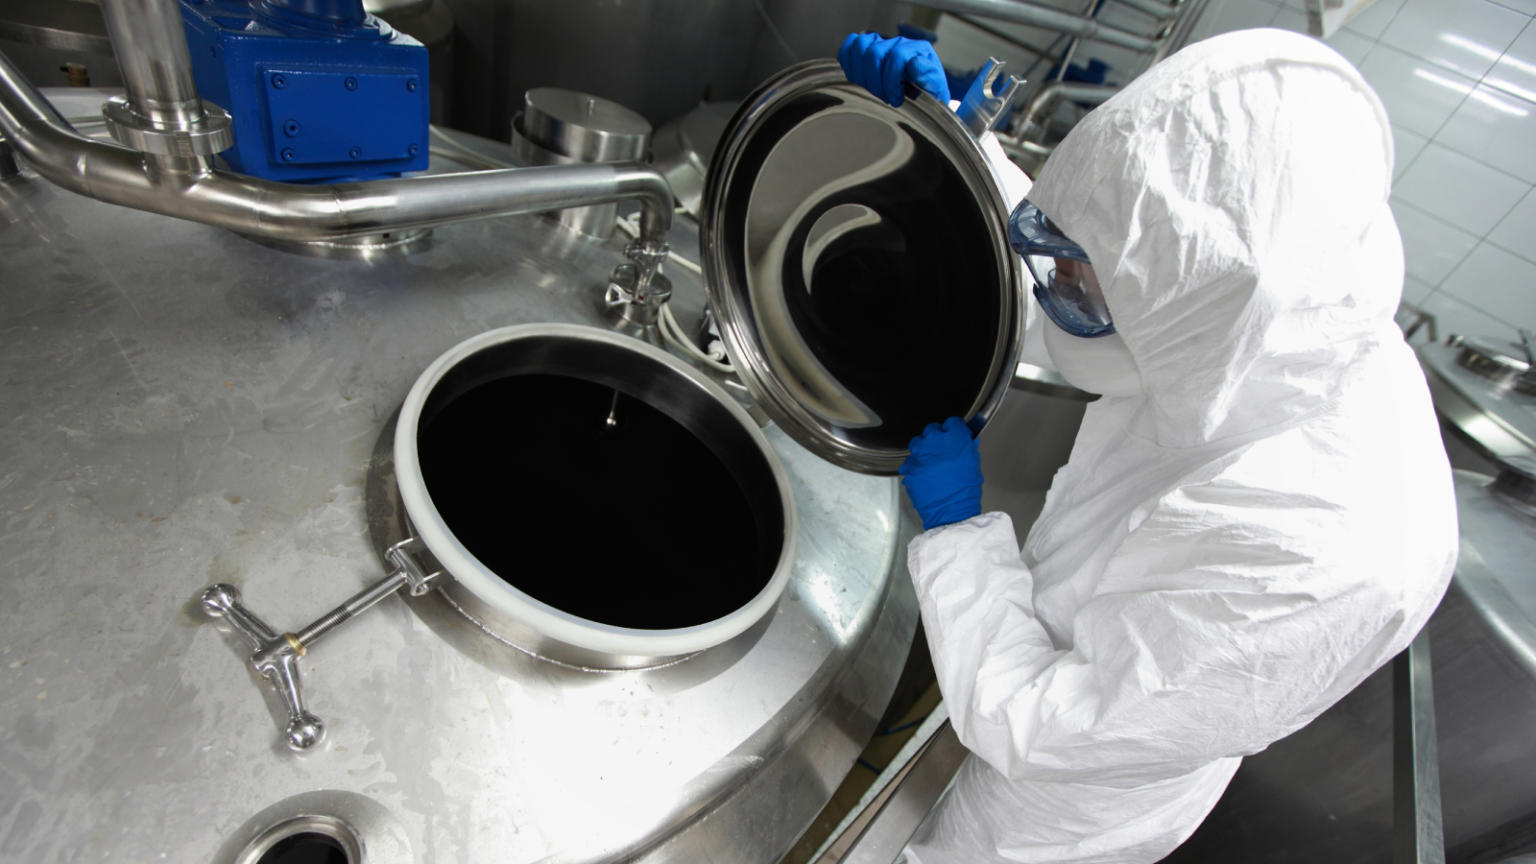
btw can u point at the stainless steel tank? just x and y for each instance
(200, 408)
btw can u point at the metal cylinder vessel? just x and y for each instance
(187, 406)
(558, 127)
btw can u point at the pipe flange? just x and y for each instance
(215, 133)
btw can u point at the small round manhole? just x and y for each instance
(305, 840)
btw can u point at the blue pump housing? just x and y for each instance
(320, 91)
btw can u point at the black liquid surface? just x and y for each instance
(305, 848)
(636, 525)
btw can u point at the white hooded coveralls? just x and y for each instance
(1235, 547)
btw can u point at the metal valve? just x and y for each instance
(276, 655)
(637, 290)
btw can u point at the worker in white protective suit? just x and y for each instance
(1257, 513)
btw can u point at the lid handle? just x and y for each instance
(981, 108)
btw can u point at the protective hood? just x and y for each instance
(1239, 542)
(1233, 201)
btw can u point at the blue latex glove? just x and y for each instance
(942, 474)
(881, 65)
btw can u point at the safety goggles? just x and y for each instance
(1065, 284)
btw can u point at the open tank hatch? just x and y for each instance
(596, 501)
(593, 501)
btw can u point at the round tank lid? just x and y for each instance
(855, 255)
(582, 126)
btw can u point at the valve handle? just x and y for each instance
(276, 655)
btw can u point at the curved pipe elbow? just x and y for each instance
(285, 211)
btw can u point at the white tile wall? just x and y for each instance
(1416, 291)
(1407, 147)
(1352, 45)
(1495, 282)
(1466, 36)
(1458, 78)
(1458, 189)
(1515, 232)
(1496, 129)
(1515, 72)
(1373, 20)
(1431, 247)
(1526, 6)
(1454, 316)
(1419, 95)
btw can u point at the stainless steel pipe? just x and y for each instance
(151, 51)
(1027, 13)
(1156, 8)
(1048, 97)
(285, 211)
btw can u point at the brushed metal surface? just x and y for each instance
(183, 406)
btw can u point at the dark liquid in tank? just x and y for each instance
(637, 524)
(306, 848)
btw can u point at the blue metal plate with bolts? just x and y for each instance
(318, 92)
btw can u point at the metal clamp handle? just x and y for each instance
(276, 655)
(637, 290)
(980, 109)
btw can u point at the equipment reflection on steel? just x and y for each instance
(857, 260)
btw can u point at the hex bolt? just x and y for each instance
(410, 84)
(355, 152)
(287, 154)
(351, 83)
(279, 82)
(291, 128)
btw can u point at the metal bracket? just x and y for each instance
(981, 108)
(276, 655)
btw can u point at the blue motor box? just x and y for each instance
(319, 89)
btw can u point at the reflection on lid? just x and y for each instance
(839, 279)
(801, 174)
(855, 255)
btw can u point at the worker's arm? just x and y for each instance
(1202, 641)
